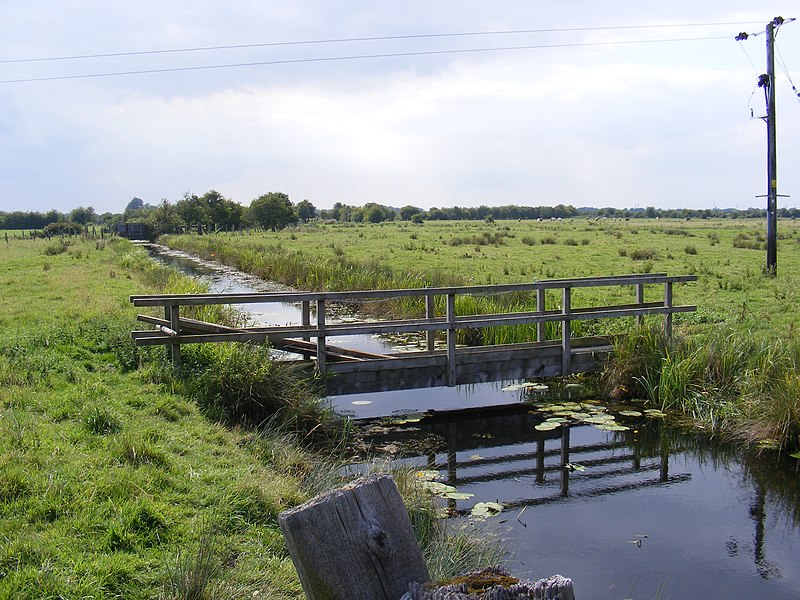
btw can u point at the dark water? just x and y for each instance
(643, 513)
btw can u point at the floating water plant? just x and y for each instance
(486, 509)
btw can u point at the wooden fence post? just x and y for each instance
(668, 304)
(541, 332)
(355, 543)
(566, 339)
(451, 339)
(639, 300)
(430, 313)
(321, 356)
(173, 315)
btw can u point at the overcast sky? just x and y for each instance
(602, 115)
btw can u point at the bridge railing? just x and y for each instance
(172, 331)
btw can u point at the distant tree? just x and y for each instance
(83, 215)
(192, 210)
(409, 211)
(305, 211)
(271, 211)
(164, 218)
(135, 204)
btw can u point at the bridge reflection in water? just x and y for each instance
(498, 454)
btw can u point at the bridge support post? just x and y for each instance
(173, 315)
(305, 315)
(321, 356)
(639, 300)
(668, 304)
(430, 313)
(451, 340)
(566, 340)
(541, 334)
(564, 460)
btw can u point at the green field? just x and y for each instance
(120, 478)
(732, 367)
(728, 257)
(113, 484)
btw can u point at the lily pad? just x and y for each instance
(630, 413)
(486, 509)
(611, 427)
(458, 495)
(439, 489)
(547, 426)
(574, 467)
(654, 412)
(600, 419)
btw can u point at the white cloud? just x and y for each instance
(662, 124)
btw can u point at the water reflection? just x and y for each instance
(623, 513)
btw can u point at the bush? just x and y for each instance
(642, 254)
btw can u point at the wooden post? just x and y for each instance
(430, 313)
(639, 300)
(321, 366)
(451, 340)
(564, 459)
(668, 304)
(355, 543)
(305, 315)
(566, 341)
(541, 333)
(172, 314)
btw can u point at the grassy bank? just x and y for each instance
(731, 366)
(120, 478)
(114, 483)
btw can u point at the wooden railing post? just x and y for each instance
(564, 459)
(430, 313)
(305, 315)
(639, 300)
(668, 305)
(566, 341)
(173, 315)
(541, 333)
(321, 356)
(451, 339)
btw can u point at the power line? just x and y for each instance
(354, 57)
(362, 39)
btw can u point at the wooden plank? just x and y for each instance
(294, 297)
(355, 543)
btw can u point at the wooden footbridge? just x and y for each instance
(349, 370)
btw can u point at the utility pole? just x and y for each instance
(767, 81)
(772, 155)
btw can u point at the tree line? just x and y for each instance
(214, 212)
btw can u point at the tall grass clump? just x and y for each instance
(728, 380)
(241, 383)
(449, 549)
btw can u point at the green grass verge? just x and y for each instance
(113, 484)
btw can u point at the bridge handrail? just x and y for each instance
(169, 330)
(344, 296)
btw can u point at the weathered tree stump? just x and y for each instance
(355, 543)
